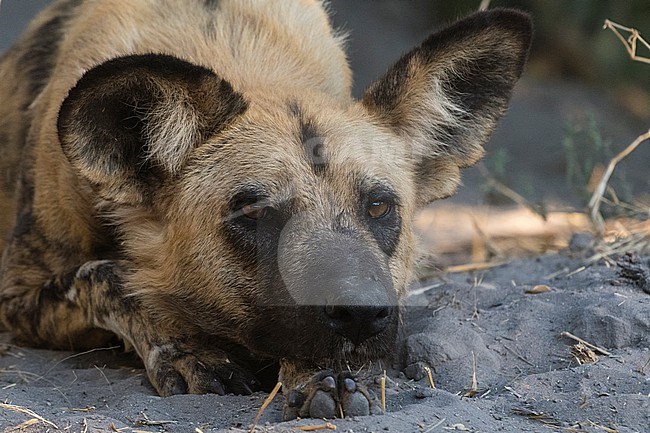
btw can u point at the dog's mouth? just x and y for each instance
(304, 333)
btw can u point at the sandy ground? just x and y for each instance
(527, 378)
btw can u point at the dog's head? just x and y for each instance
(281, 219)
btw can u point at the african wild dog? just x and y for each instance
(195, 178)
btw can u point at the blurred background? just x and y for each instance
(580, 102)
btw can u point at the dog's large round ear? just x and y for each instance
(445, 96)
(130, 123)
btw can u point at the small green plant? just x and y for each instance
(587, 153)
(496, 166)
(496, 183)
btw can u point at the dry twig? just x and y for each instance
(583, 354)
(146, 422)
(326, 426)
(631, 43)
(596, 198)
(469, 267)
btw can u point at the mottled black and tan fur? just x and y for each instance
(195, 179)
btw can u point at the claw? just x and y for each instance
(329, 383)
(350, 384)
(216, 387)
(179, 386)
(295, 399)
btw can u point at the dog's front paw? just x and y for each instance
(174, 369)
(327, 395)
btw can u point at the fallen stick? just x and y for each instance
(473, 267)
(580, 340)
(326, 426)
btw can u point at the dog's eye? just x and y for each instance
(256, 211)
(379, 209)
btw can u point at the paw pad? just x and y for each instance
(322, 405)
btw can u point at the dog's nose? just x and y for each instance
(358, 322)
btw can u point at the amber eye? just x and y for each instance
(256, 211)
(379, 209)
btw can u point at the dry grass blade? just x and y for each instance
(511, 193)
(537, 416)
(596, 198)
(631, 42)
(638, 243)
(267, 402)
(424, 289)
(473, 390)
(518, 355)
(60, 361)
(602, 427)
(28, 412)
(430, 376)
(24, 425)
(383, 392)
(435, 426)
